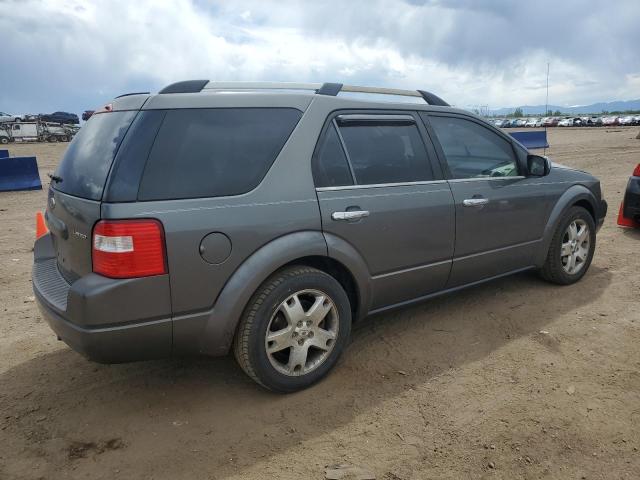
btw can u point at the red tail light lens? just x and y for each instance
(128, 248)
(636, 171)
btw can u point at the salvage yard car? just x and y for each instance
(8, 117)
(629, 214)
(265, 219)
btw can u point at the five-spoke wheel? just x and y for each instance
(575, 246)
(302, 332)
(294, 329)
(571, 248)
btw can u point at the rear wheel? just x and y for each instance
(4, 140)
(571, 249)
(294, 329)
(53, 139)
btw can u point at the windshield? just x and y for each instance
(85, 166)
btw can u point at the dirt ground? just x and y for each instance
(516, 379)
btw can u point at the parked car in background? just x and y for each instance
(60, 117)
(502, 123)
(565, 122)
(629, 214)
(8, 117)
(611, 121)
(532, 122)
(193, 195)
(518, 122)
(551, 122)
(627, 120)
(86, 115)
(592, 121)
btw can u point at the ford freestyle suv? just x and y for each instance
(267, 218)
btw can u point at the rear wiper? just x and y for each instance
(55, 178)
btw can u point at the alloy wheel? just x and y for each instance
(302, 332)
(575, 246)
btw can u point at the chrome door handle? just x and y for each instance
(350, 215)
(475, 202)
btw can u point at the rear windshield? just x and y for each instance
(85, 165)
(214, 152)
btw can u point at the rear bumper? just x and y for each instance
(115, 344)
(631, 208)
(106, 320)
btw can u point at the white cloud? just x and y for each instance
(77, 54)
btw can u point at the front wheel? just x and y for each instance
(571, 249)
(294, 329)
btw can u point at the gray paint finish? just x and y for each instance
(418, 240)
(406, 241)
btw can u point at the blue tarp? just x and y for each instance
(19, 173)
(532, 140)
(4, 153)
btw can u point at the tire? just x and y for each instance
(52, 139)
(4, 140)
(274, 310)
(558, 267)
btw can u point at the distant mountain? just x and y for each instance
(617, 106)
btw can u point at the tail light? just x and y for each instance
(128, 248)
(636, 171)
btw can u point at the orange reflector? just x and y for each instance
(41, 227)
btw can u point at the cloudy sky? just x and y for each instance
(75, 54)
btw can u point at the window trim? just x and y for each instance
(425, 117)
(343, 145)
(380, 185)
(394, 116)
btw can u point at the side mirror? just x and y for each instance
(538, 166)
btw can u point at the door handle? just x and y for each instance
(350, 215)
(475, 202)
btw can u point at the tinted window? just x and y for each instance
(331, 168)
(214, 152)
(386, 153)
(85, 165)
(472, 150)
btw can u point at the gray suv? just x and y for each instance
(266, 218)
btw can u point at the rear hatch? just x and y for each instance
(77, 186)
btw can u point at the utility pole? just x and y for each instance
(546, 107)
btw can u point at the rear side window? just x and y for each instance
(330, 166)
(214, 152)
(85, 165)
(382, 152)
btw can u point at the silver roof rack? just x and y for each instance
(331, 89)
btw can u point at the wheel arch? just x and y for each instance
(576, 195)
(304, 248)
(338, 271)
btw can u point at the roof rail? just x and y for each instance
(432, 99)
(187, 86)
(330, 89)
(132, 93)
